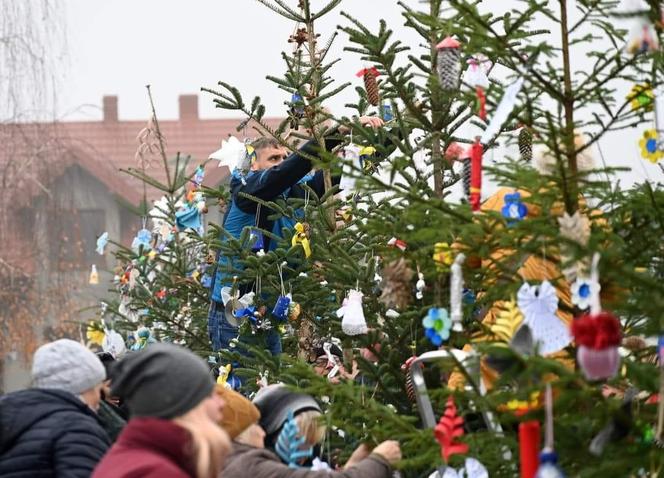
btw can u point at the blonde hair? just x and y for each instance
(311, 427)
(210, 443)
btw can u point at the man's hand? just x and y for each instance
(389, 450)
(360, 453)
(370, 121)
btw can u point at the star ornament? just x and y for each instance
(650, 146)
(437, 325)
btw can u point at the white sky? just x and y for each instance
(178, 46)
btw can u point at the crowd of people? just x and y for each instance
(158, 412)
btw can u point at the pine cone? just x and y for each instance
(449, 68)
(410, 387)
(526, 145)
(396, 286)
(371, 85)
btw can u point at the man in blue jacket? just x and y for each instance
(274, 174)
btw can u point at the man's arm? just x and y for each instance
(269, 184)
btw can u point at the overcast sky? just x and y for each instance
(117, 47)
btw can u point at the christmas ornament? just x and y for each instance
(505, 107)
(398, 243)
(529, 439)
(396, 285)
(368, 159)
(142, 240)
(291, 447)
(642, 37)
(94, 276)
(351, 161)
(472, 468)
(448, 65)
(199, 175)
(539, 305)
(387, 113)
(456, 294)
(143, 339)
(296, 110)
(476, 152)
(651, 147)
(507, 322)
(641, 97)
(583, 289)
(294, 311)
(514, 210)
(352, 315)
(448, 430)
(548, 467)
(476, 77)
(231, 154)
(282, 307)
(370, 84)
(410, 388)
(443, 256)
(598, 336)
(113, 343)
(95, 334)
(466, 177)
(454, 152)
(301, 237)
(437, 325)
(525, 144)
(102, 241)
(256, 240)
(420, 285)
(574, 228)
(188, 217)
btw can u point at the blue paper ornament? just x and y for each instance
(280, 310)
(437, 325)
(188, 218)
(143, 238)
(514, 210)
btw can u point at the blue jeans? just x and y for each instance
(221, 333)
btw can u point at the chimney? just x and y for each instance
(110, 108)
(188, 107)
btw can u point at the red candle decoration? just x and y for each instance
(476, 175)
(529, 444)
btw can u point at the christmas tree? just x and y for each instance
(539, 282)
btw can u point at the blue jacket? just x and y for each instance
(282, 181)
(48, 433)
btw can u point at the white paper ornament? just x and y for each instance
(539, 305)
(114, 344)
(352, 314)
(231, 154)
(352, 161)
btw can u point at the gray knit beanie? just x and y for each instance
(66, 365)
(162, 380)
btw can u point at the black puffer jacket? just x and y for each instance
(48, 433)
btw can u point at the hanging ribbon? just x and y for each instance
(300, 238)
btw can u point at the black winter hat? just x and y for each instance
(162, 380)
(274, 402)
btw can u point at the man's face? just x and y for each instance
(269, 157)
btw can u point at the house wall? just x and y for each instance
(62, 282)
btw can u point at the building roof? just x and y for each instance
(105, 148)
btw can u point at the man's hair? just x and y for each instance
(265, 142)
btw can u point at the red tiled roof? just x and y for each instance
(106, 147)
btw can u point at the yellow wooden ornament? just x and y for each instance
(508, 321)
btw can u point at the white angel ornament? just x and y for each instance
(539, 304)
